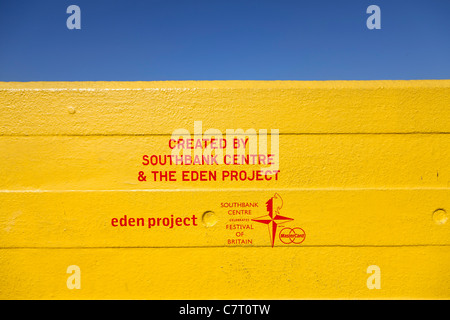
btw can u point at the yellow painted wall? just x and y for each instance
(364, 171)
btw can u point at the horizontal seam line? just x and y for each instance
(263, 246)
(237, 134)
(232, 189)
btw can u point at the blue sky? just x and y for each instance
(224, 40)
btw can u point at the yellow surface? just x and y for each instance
(364, 171)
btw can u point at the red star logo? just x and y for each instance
(273, 204)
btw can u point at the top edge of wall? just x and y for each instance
(244, 84)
